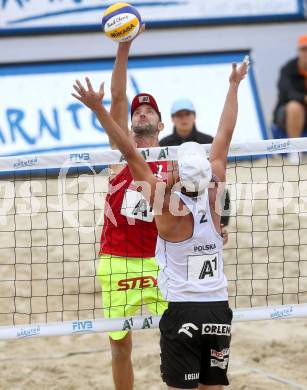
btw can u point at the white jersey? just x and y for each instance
(192, 270)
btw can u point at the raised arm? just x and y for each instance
(137, 165)
(119, 100)
(221, 142)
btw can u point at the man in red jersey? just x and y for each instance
(128, 270)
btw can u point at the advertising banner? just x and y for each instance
(38, 113)
(17, 16)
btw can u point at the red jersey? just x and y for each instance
(129, 228)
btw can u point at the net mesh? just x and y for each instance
(50, 228)
(50, 234)
(266, 257)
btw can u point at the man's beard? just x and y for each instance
(147, 129)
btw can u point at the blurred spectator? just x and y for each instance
(290, 115)
(185, 130)
(184, 116)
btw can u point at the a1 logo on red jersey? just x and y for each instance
(135, 206)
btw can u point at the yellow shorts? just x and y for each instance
(127, 283)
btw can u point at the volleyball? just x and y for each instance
(121, 22)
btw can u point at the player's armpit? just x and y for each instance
(218, 166)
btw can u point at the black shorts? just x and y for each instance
(280, 118)
(195, 340)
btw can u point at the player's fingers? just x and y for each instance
(243, 69)
(245, 64)
(101, 89)
(80, 86)
(89, 84)
(246, 60)
(77, 89)
(142, 29)
(76, 96)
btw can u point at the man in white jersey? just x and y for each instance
(195, 329)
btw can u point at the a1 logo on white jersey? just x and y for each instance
(203, 266)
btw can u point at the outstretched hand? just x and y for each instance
(89, 97)
(239, 73)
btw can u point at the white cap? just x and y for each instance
(194, 167)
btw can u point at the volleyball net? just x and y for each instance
(52, 213)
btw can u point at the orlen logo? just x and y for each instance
(139, 282)
(82, 326)
(79, 157)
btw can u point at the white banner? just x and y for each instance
(21, 15)
(38, 113)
